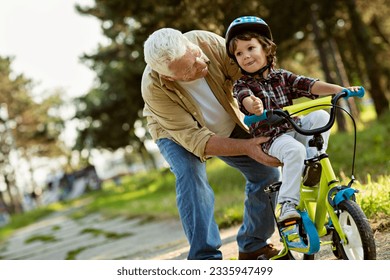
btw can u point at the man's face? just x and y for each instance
(190, 67)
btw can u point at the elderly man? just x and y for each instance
(192, 116)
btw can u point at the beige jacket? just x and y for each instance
(172, 113)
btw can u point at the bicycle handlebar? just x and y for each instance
(360, 93)
(284, 113)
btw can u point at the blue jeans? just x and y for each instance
(195, 201)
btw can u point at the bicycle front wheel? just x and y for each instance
(361, 243)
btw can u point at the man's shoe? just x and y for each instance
(266, 252)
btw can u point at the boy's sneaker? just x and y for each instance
(288, 211)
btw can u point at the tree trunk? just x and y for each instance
(3, 204)
(147, 158)
(343, 78)
(15, 205)
(320, 44)
(373, 66)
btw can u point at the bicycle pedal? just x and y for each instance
(291, 232)
(274, 187)
(289, 222)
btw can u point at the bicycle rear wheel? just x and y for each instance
(361, 243)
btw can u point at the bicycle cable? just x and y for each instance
(354, 128)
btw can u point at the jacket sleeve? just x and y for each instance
(172, 118)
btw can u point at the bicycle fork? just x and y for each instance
(332, 194)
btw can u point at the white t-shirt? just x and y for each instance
(216, 118)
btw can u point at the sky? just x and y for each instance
(46, 39)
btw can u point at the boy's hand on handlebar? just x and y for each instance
(353, 88)
(355, 91)
(254, 105)
(257, 153)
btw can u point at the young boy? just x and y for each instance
(249, 43)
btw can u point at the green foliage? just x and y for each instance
(153, 192)
(35, 126)
(374, 196)
(107, 234)
(372, 152)
(152, 195)
(41, 238)
(73, 254)
(116, 103)
(229, 187)
(32, 216)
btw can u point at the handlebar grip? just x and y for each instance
(248, 120)
(359, 93)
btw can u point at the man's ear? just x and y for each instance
(168, 78)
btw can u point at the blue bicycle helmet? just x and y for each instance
(244, 24)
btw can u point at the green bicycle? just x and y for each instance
(326, 207)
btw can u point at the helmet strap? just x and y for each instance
(259, 72)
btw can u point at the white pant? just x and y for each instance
(292, 149)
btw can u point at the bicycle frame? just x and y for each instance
(325, 206)
(314, 199)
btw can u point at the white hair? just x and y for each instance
(164, 46)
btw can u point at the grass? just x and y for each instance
(21, 220)
(151, 195)
(372, 151)
(41, 238)
(107, 234)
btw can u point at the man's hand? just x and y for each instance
(256, 152)
(221, 146)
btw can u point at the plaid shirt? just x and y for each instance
(276, 91)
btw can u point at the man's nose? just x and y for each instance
(201, 62)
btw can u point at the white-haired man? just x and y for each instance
(192, 116)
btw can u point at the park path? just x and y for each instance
(93, 237)
(59, 237)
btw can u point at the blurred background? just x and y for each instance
(70, 72)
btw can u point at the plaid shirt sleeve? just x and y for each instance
(240, 92)
(299, 85)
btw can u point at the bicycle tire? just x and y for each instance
(361, 243)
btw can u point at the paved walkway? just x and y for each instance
(60, 237)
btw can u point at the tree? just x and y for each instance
(108, 112)
(115, 104)
(370, 56)
(29, 129)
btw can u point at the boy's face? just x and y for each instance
(250, 55)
